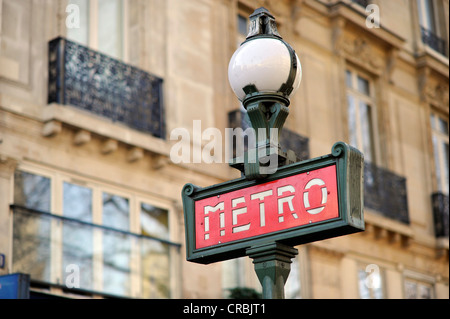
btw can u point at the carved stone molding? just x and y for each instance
(360, 51)
(436, 94)
(7, 166)
(387, 234)
(433, 91)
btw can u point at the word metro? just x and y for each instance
(300, 203)
(273, 206)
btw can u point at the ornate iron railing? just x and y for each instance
(385, 193)
(433, 41)
(289, 140)
(440, 214)
(97, 83)
(362, 3)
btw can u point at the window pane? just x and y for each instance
(292, 287)
(429, 14)
(443, 126)
(155, 255)
(31, 244)
(155, 263)
(366, 130)
(363, 86)
(363, 289)
(242, 25)
(32, 191)
(78, 21)
(154, 221)
(116, 245)
(410, 290)
(78, 238)
(348, 78)
(432, 120)
(116, 263)
(353, 134)
(424, 292)
(446, 161)
(436, 161)
(110, 27)
(115, 212)
(77, 202)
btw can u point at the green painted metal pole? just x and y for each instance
(272, 265)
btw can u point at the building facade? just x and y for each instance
(93, 93)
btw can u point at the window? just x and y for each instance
(154, 222)
(233, 274)
(116, 244)
(242, 24)
(426, 14)
(32, 191)
(370, 282)
(101, 26)
(432, 32)
(32, 239)
(439, 127)
(77, 242)
(416, 289)
(360, 114)
(119, 242)
(292, 288)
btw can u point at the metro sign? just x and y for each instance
(302, 202)
(265, 208)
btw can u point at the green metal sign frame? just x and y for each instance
(349, 170)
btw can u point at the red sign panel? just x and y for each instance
(285, 203)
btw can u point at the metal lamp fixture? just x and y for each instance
(264, 73)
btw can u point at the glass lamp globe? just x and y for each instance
(266, 63)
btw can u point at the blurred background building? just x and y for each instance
(90, 90)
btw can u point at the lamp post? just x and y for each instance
(264, 73)
(267, 213)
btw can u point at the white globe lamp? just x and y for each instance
(264, 73)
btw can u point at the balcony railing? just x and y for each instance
(362, 3)
(440, 214)
(385, 193)
(289, 140)
(104, 86)
(55, 249)
(433, 41)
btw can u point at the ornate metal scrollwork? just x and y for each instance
(100, 84)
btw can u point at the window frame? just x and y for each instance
(362, 266)
(371, 101)
(57, 275)
(92, 32)
(418, 279)
(440, 182)
(424, 18)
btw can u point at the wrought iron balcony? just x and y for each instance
(433, 41)
(385, 193)
(440, 214)
(289, 140)
(104, 86)
(362, 3)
